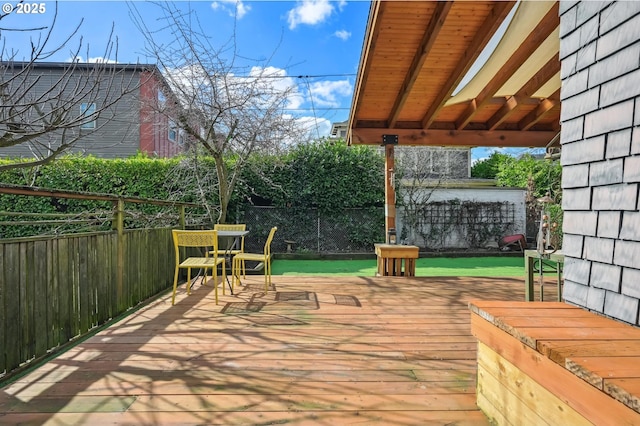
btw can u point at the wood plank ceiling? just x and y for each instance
(416, 54)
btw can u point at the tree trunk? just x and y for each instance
(224, 189)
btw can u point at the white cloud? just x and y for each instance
(296, 99)
(301, 94)
(190, 83)
(243, 9)
(475, 160)
(326, 93)
(235, 8)
(282, 84)
(309, 12)
(315, 127)
(342, 34)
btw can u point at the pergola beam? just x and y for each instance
(376, 11)
(460, 138)
(541, 110)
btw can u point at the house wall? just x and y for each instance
(118, 135)
(129, 126)
(513, 196)
(423, 163)
(600, 54)
(118, 127)
(154, 125)
(424, 168)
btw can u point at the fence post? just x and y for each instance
(182, 217)
(118, 224)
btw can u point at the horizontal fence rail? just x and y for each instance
(57, 288)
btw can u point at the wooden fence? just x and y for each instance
(56, 289)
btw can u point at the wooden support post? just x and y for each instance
(389, 190)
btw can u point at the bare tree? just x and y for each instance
(421, 171)
(227, 110)
(46, 108)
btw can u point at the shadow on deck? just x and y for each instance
(314, 350)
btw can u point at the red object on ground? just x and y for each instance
(510, 240)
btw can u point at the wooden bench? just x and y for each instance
(392, 257)
(553, 363)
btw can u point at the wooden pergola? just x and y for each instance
(426, 79)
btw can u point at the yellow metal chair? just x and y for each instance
(265, 258)
(222, 251)
(202, 239)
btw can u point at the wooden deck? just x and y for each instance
(318, 351)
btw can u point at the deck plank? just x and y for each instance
(315, 350)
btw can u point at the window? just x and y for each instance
(439, 162)
(173, 131)
(87, 110)
(162, 99)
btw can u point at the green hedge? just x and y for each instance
(325, 175)
(328, 176)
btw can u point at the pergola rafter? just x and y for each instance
(416, 54)
(414, 85)
(524, 51)
(493, 20)
(428, 40)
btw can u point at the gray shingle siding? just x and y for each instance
(619, 144)
(578, 176)
(601, 155)
(606, 276)
(583, 150)
(575, 293)
(609, 224)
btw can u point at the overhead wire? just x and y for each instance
(313, 109)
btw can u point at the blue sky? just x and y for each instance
(318, 42)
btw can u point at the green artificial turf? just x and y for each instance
(425, 267)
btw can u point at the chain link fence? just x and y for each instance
(310, 231)
(438, 225)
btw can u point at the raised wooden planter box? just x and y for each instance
(557, 364)
(396, 259)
